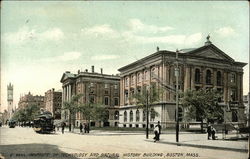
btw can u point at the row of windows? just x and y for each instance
(140, 76)
(209, 77)
(137, 116)
(105, 85)
(106, 100)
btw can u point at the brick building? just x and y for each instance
(96, 88)
(53, 102)
(204, 67)
(29, 99)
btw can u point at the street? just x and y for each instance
(25, 143)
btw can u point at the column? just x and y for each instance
(187, 78)
(225, 87)
(70, 92)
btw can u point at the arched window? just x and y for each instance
(219, 80)
(208, 77)
(138, 77)
(116, 117)
(125, 116)
(144, 116)
(137, 115)
(197, 76)
(131, 116)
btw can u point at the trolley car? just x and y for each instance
(44, 123)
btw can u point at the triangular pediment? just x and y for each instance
(65, 76)
(211, 51)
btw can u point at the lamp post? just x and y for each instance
(177, 97)
(147, 113)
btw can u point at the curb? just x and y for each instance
(202, 146)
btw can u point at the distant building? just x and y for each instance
(29, 99)
(96, 88)
(246, 104)
(205, 67)
(10, 100)
(53, 102)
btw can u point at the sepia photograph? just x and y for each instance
(124, 80)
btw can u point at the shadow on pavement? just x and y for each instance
(34, 151)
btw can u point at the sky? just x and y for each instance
(42, 40)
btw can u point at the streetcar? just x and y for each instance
(44, 123)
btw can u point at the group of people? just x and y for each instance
(211, 132)
(85, 127)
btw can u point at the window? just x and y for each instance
(233, 95)
(91, 84)
(146, 75)
(233, 78)
(126, 96)
(126, 82)
(116, 101)
(105, 85)
(116, 117)
(125, 116)
(219, 80)
(137, 115)
(234, 116)
(91, 99)
(197, 76)
(106, 100)
(131, 116)
(116, 86)
(132, 80)
(208, 77)
(139, 77)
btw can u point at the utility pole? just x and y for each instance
(177, 97)
(147, 114)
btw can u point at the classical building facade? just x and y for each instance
(96, 88)
(204, 67)
(53, 103)
(29, 99)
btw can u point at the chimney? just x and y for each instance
(157, 49)
(93, 69)
(86, 70)
(78, 71)
(101, 71)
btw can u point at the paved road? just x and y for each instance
(20, 143)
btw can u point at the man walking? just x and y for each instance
(209, 131)
(63, 125)
(159, 127)
(81, 127)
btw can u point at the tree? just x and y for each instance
(146, 99)
(202, 105)
(92, 111)
(26, 114)
(72, 107)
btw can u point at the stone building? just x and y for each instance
(96, 88)
(29, 99)
(53, 103)
(204, 67)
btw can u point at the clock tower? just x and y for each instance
(10, 99)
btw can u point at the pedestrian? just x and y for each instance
(213, 133)
(81, 127)
(159, 126)
(63, 125)
(85, 128)
(209, 131)
(156, 131)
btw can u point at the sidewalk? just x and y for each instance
(200, 141)
(189, 139)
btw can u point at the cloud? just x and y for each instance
(136, 25)
(97, 30)
(104, 57)
(169, 39)
(26, 34)
(225, 31)
(67, 56)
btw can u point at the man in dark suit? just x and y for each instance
(159, 126)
